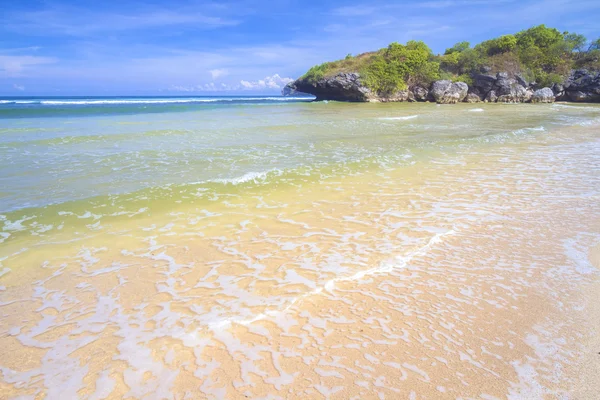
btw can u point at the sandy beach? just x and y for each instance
(468, 271)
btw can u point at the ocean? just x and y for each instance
(271, 247)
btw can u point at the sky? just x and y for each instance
(189, 47)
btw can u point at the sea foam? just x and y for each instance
(403, 118)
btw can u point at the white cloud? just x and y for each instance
(18, 87)
(216, 73)
(270, 82)
(206, 87)
(14, 65)
(75, 21)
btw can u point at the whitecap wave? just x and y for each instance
(403, 118)
(256, 177)
(529, 130)
(154, 101)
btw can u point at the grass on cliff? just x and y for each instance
(541, 54)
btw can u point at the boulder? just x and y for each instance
(439, 88)
(545, 95)
(509, 90)
(446, 92)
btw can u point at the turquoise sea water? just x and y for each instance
(65, 150)
(55, 150)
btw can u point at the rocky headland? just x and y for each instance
(536, 65)
(580, 86)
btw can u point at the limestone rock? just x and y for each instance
(544, 95)
(446, 92)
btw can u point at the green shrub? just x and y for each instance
(463, 78)
(316, 73)
(399, 65)
(547, 79)
(457, 48)
(383, 76)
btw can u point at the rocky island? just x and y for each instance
(538, 65)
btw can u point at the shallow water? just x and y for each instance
(295, 249)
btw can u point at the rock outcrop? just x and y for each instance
(501, 88)
(340, 87)
(580, 86)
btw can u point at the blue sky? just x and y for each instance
(235, 47)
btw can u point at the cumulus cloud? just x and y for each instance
(269, 82)
(216, 73)
(19, 87)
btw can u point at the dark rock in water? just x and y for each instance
(545, 95)
(446, 92)
(583, 85)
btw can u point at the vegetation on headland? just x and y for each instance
(539, 54)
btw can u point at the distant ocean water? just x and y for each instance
(218, 247)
